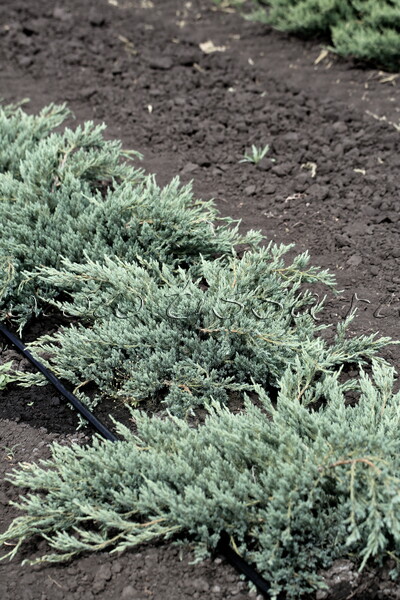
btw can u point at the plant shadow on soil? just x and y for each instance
(330, 188)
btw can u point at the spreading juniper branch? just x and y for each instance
(20, 133)
(293, 486)
(74, 192)
(365, 29)
(147, 332)
(295, 489)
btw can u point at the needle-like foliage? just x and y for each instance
(74, 193)
(184, 341)
(20, 132)
(294, 488)
(163, 309)
(365, 29)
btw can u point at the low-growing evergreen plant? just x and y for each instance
(164, 309)
(63, 195)
(183, 342)
(294, 487)
(5, 376)
(365, 29)
(20, 132)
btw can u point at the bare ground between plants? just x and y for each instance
(330, 188)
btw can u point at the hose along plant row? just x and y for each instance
(165, 313)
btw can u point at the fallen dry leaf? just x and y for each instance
(323, 54)
(209, 47)
(389, 79)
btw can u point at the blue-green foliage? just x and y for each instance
(296, 483)
(20, 132)
(294, 488)
(63, 195)
(148, 333)
(366, 29)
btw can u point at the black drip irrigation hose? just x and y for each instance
(223, 546)
(77, 404)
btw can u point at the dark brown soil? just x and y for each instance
(328, 183)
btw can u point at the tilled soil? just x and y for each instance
(329, 183)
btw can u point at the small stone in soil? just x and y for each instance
(355, 260)
(129, 593)
(250, 190)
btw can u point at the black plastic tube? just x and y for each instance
(243, 567)
(77, 404)
(223, 546)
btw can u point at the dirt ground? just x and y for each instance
(328, 183)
